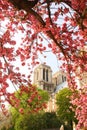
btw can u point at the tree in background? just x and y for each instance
(62, 24)
(51, 120)
(37, 99)
(29, 99)
(64, 107)
(37, 121)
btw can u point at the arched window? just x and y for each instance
(56, 81)
(63, 78)
(43, 74)
(46, 75)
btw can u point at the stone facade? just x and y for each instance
(58, 78)
(44, 79)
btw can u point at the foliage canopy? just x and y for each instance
(64, 107)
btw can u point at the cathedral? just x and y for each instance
(45, 80)
(52, 83)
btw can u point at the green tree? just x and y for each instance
(64, 110)
(27, 120)
(30, 99)
(51, 120)
(44, 95)
(37, 121)
(33, 121)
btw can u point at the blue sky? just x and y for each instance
(51, 60)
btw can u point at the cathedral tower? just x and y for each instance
(43, 78)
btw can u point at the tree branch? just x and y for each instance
(24, 5)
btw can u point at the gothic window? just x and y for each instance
(63, 78)
(56, 81)
(46, 75)
(43, 74)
